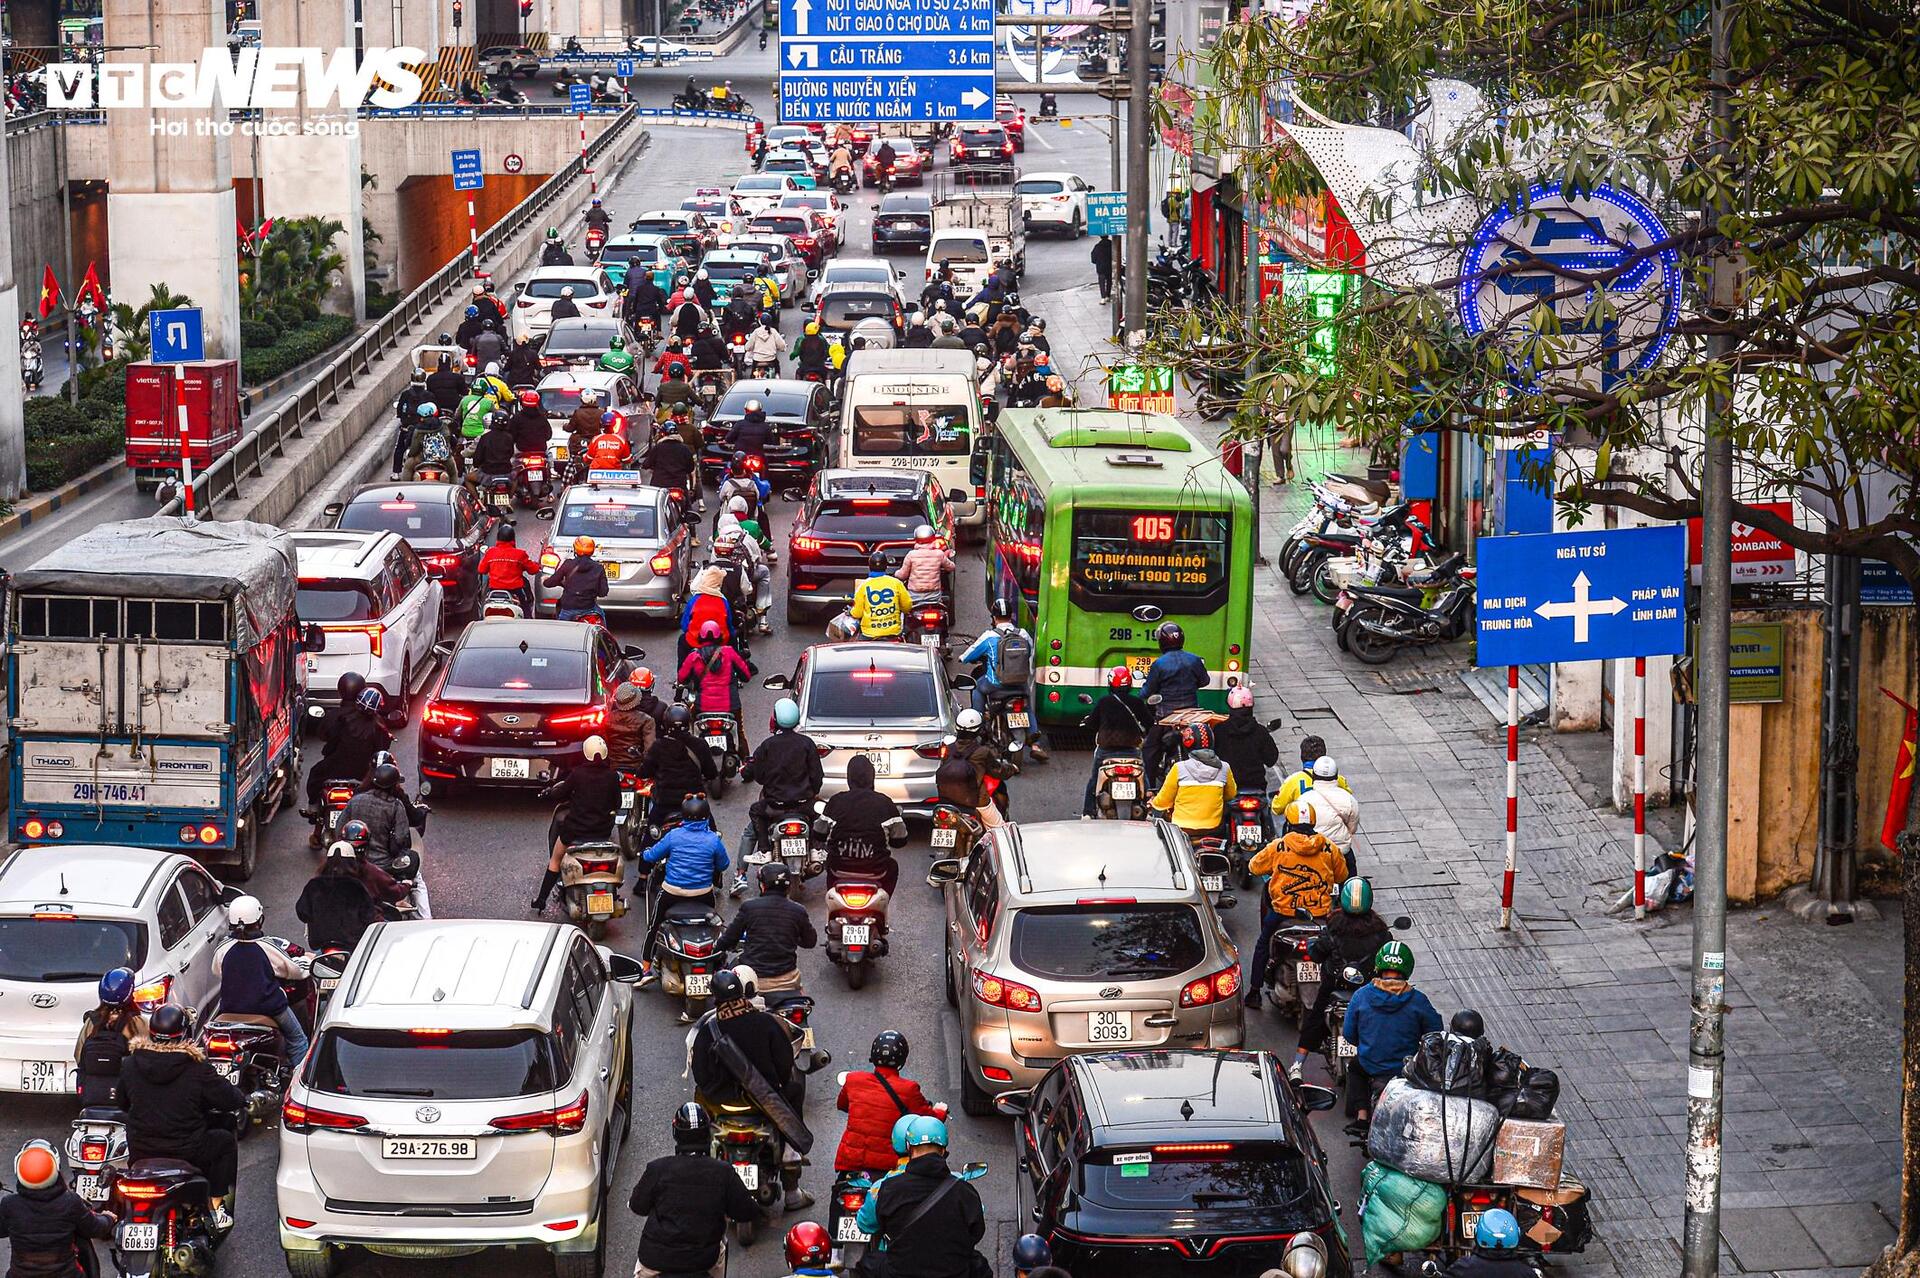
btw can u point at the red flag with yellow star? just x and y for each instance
(1902, 788)
(49, 293)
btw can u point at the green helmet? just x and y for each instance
(1394, 956)
(1356, 895)
(553, 232)
(617, 343)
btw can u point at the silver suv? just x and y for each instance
(1076, 936)
(469, 1087)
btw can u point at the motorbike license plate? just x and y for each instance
(229, 1070)
(1109, 1027)
(698, 983)
(1124, 789)
(847, 1229)
(1139, 666)
(946, 838)
(600, 903)
(613, 572)
(1343, 1048)
(1307, 973)
(749, 1174)
(43, 1076)
(424, 1147)
(137, 1237)
(716, 743)
(882, 761)
(326, 984)
(626, 800)
(509, 769)
(929, 641)
(1213, 883)
(855, 933)
(1247, 834)
(806, 1039)
(536, 472)
(1018, 719)
(793, 847)
(88, 1186)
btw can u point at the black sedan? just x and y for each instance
(515, 701)
(1155, 1164)
(903, 221)
(444, 523)
(803, 423)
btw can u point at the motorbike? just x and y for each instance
(1570, 1225)
(787, 831)
(1248, 817)
(32, 365)
(856, 931)
(737, 352)
(165, 1224)
(1116, 790)
(688, 944)
(843, 181)
(955, 831)
(96, 1148)
(1410, 580)
(596, 238)
(334, 795)
(709, 384)
(532, 482)
(1009, 720)
(849, 1194)
(590, 878)
(1210, 858)
(1292, 979)
(1383, 623)
(497, 493)
(647, 332)
(763, 368)
(629, 824)
(500, 603)
(719, 731)
(246, 1050)
(883, 180)
(745, 1140)
(928, 621)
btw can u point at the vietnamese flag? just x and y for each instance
(1902, 788)
(90, 287)
(49, 293)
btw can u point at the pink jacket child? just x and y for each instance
(924, 568)
(716, 666)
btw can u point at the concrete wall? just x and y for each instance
(1773, 791)
(33, 170)
(432, 219)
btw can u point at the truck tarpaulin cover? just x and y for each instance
(170, 558)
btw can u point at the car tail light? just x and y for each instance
(305, 1118)
(448, 717)
(153, 993)
(522, 304)
(93, 1151)
(442, 562)
(805, 545)
(1216, 987)
(590, 719)
(997, 991)
(562, 1121)
(959, 150)
(294, 1222)
(1007, 148)
(662, 562)
(935, 750)
(857, 896)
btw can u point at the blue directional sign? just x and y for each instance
(467, 173)
(623, 67)
(579, 96)
(1581, 596)
(1106, 212)
(178, 336)
(880, 61)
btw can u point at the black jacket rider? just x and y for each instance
(45, 1225)
(786, 765)
(591, 792)
(776, 929)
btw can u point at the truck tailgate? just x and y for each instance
(65, 772)
(116, 687)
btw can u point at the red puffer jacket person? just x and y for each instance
(867, 1144)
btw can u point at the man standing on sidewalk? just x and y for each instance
(1103, 265)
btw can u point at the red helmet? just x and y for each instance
(808, 1244)
(641, 677)
(530, 397)
(1119, 677)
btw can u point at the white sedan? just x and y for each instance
(650, 46)
(758, 192)
(1054, 201)
(533, 298)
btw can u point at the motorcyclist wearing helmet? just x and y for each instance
(741, 482)
(631, 727)
(528, 425)
(812, 354)
(336, 905)
(432, 444)
(974, 773)
(406, 414)
(771, 929)
(493, 453)
(879, 602)
(926, 566)
(763, 1041)
(942, 1238)
(1299, 782)
(597, 215)
(679, 763)
(617, 358)
(688, 1197)
(645, 299)
(609, 449)
(1336, 813)
(583, 423)
(554, 252)
(381, 885)
(1196, 792)
(1384, 1022)
(1119, 721)
(873, 1102)
(178, 1107)
(47, 1223)
(105, 1033)
(752, 432)
(703, 290)
(693, 858)
(353, 735)
(1176, 677)
(746, 579)
(674, 387)
(381, 803)
(1305, 872)
(1495, 1254)
(715, 670)
(476, 407)
(471, 325)
(589, 797)
(251, 972)
(581, 580)
(1352, 937)
(708, 352)
(1030, 1255)
(738, 316)
(669, 463)
(786, 767)
(765, 345)
(999, 651)
(446, 384)
(809, 1250)
(1244, 743)
(507, 567)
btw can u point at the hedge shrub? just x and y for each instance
(64, 441)
(296, 346)
(258, 333)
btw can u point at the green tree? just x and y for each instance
(131, 334)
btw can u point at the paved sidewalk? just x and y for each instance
(1811, 1149)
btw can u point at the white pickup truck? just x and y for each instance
(975, 231)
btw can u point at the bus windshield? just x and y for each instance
(1122, 558)
(899, 430)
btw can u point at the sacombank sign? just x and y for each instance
(248, 78)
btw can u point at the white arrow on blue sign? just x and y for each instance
(874, 61)
(467, 172)
(1581, 596)
(623, 67)
(178, 336)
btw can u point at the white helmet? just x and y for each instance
(701, 274)
(493, 368)
(595, 748)
(1325, 769)
(589, 398)
(923, 532)
(968, 720)
(245, 911)
(566, 290)
(341, 848)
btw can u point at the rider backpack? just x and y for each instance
(102, 1053)
(434, 447)
(1013, 664)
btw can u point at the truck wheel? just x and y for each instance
(248, 849)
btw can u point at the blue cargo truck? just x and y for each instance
(155, 677)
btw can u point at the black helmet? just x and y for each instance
(889, 1049)
(737, 462)
(386, 777)
(678, 716)
(350, 685)
(1467, 1023)
(1171, 636)
(692, 1126)
(1002, 610)
(169, 1024)
(727, 987)
(694, 808)
(775, 879)
(877, 562)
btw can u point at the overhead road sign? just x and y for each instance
(179, 337)
(1581, 596)
(875, 61)
(467, 174)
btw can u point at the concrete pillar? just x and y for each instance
(310, 155)
(170, 207)
(394, 24)
(13, 440)
(563, 19)
(382, 209)
(34, 24)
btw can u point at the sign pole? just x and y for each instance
(1513, 795)
(593, 183)
(186, 458)
(473, 237)
(1639, 787)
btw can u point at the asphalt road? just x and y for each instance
(484, 852)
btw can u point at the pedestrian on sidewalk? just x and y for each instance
(1103, 265)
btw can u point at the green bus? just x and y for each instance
(1102, 525)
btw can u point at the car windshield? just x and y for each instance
(548, 289)
(608, 519)
(335, 601)
(872, 694)
(433, 1064)
(888, 430)
(1039, 186)
(412, 519)
(67, 948)
(490, 670)
(868, 518)
(1259, 1174)
(1108, 942)
(777, 400)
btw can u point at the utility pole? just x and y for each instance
(1706, 1039)
(1139, 140)
(1251, 451)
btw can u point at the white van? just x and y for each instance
(917, 410)
(968, 251)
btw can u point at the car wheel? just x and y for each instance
(310, 1264)
(974, 1099)
(626, 1096)
(1079, 225)
(586, 1264)
(402, 707)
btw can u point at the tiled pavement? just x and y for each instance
(1810, 1145)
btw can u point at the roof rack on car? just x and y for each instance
(1011, 833)
(1165, 831)
(539, 968)
(367, 940)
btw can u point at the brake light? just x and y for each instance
(93, 1151)
(1216, 987)
(305, 1118)
(597, 866)
(996, 991)
(662, 562)
(1125, 770)
(937, 750)
(448, 717)
(805, 545)
(562, 1121)
(793, 829)
(856, 898)
(740, 1136)
(140, 1190)
(398, 505)
(34, 828)
(699, 949)
(1017, 705)
(374, 631)
(442, 562)
(852, 1202)
(945, 818)
(1249, 803)
(587, 720)
(209, 834)
(1195, 1147)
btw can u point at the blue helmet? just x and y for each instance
(900, 1128)
(926, 1131)
(1031, 1252)
(1497, 1230)
(608, 419)
(426, 411)
(472, 311)
(116, 987)
(786, 712)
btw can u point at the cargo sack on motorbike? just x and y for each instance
(1013, 660)
(1450, 1063)
(760, 1090)
(1433, 1136)
(1536, 1096)
(1559, 1221)
(1398, 1212)
(1504, 1072)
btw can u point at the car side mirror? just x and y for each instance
(544, 512)
(627, 971)
(1315, 1098)
(944, 871)
(229, 893)
(1213, 863)
(1013, 1104)
(1274, 725)
(332, 511)
(632, 653)
(444, 651)
(776, 682)
(313, 639)
(1402, 923)
(963, 683)
(519, 286)
(316, 712)
(954, 494)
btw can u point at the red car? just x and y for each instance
(1013, 120)
(909, 169)
(803, 230)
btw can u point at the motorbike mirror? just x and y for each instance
(776, 682)
(971, 1170)
(791, 494)
(1316, 1098)
(627, 971)
(394, 718)
(1155, 699)
(1014, 1103)
(316, 712)
(1402, 923)
(1213, 863)
(944, 871)
(1353, 976)
(963, 683)
(545, 512)
(313, 639)
(813, 1061)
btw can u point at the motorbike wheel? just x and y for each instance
(1300, 579)
(856, 975)
(1321, 581)
(1370, 648)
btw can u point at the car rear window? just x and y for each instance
(547, 289)
(861, 275)
(1108, 942)
(648, 253)
(886, 430)
(68, 948)
(873, 693)
(535, 670)
(732, 270)
(580, 338)
(963, 250)
(1257, 1174)
(761, 184)
(428, 1064)
(335, 601)
(706, 206)
(784, 225)
(778, 402)
(657, 224)
(821, 202)
(848, 308)
(608, 519)
(867, 518)
(982, 137)
(1039, 186)
(418, 519)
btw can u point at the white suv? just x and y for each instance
(533, 297)
(71, 914)
(379, 606)
(469, 1087)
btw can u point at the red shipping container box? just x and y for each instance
(211, 392)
